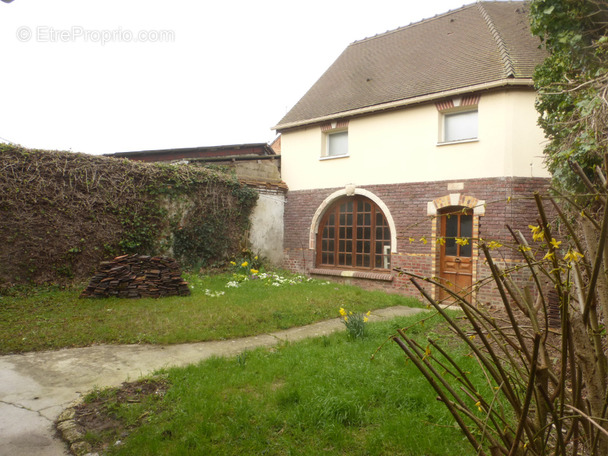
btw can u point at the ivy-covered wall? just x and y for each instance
(61, 213)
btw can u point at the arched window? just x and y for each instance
(354, 234)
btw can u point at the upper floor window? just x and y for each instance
(460, 126)
(458, 119)
(337, 144)
(335, 139)
(354, 233)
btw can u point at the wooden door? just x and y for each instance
(455, 262)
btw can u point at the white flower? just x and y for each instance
(213, 294)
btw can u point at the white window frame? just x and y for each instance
(327, 148)
(445, 115)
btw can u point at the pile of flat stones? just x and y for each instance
(137, 276)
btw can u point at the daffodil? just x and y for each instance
(254, 271)
(369, 312)
(244, 264)
(365, 319)
(342, 312)
(233, 263)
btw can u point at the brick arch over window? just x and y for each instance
(350, 191)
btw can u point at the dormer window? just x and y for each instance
(335, 139)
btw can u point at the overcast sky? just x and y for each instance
(122, 75)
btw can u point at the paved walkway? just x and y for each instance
(36, 387)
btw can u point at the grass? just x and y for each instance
(322, 396)
(52, 318)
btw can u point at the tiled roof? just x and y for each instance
(476, 45)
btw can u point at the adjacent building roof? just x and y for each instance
(233, 151)
(481, 45)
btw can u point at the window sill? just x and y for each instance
(333, 157)
(460, 141)
(383, 276)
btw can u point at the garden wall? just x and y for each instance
(61, 213)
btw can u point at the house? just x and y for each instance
(257, 165)
(414, 144)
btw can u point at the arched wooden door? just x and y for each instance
(456, 254)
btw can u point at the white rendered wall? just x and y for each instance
(402, 146)
(266, 233)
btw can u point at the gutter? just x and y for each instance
(233, 158)
(409, 101)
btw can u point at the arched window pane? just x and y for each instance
(361, 238)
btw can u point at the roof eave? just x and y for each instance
(517, 82)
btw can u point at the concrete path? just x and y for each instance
(36, 387)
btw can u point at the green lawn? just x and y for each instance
(42, 319)
(322, 396)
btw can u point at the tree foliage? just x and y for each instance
(572, 84)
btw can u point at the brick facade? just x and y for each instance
(507, 201)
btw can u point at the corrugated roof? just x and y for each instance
(481, 43)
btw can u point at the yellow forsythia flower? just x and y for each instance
(548, 256)
(412, 240)
(462, 241)
(573, 256)
(440, 241)
(233, 263)
(494, 245)
(423, 240)
(555, 243)
(537, 232)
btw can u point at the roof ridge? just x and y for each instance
(500, 42)
(413, 24)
